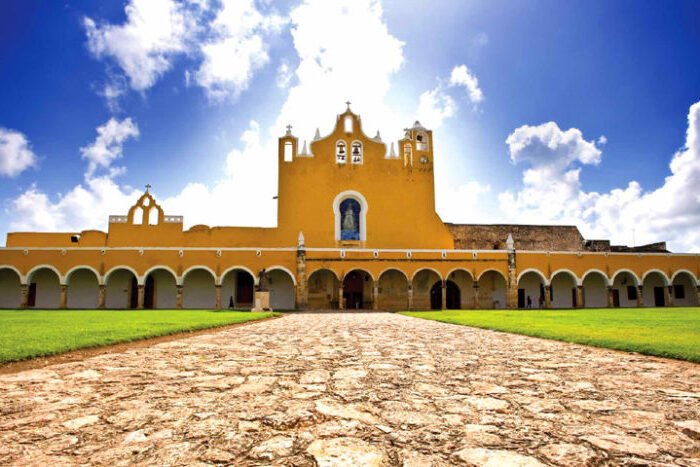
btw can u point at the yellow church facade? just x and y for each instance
(356, 229)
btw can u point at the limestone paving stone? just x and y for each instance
(354, 389)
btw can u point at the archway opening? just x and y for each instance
(624, 290)
(83, 289)
(465, 285)
(492, 290)
(393, 290)
(323, 287)
(281, 287)
(684, 290)
(531, 290)
(121, 290)
(595, 290)
(10, 288)
(237, 289)
(563, 290)
(452, 296)
(44, 289)
(160, 290)
(199, 290)
(654, 289)
(357, 290)
(423, 281)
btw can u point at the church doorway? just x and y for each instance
(356, 290)
(244, 288)
(452, 296)
(149, 293)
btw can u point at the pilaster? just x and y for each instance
(668, 297)
(611, 300)
(443, 291)
(579, 297)
(512, 283)
(64, 296)
(139, 303)
(548, 296)
(218, 296)
(102, 297)
(178, 300)
(476, 295)
(24, 289)
(640, 299)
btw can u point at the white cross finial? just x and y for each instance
(289, 130)
(348, 103)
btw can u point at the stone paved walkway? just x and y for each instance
(355, 389)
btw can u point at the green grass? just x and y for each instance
(665, 332)
(36, 333)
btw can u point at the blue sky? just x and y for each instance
(542, 111)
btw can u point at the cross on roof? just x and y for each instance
(289, 129)
(348, 103)
(148, 187)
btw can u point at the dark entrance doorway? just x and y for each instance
(244, 288)
(521, 298)
(353, 288)
(616, 298)
(134, 293)
(659, 299)
(149, 293)
(452, 296)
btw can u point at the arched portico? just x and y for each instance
(122, 288)
(199, 288)
(625, 289)
(655, 289)
(491, 290)
(595, 289)
(357, 290)
(393, 290)
(464, 282)
(422, 285)
(237, 288)
(281, 288)
(44, 288)
(531, 290)
(10, 287)
(160, 288)
(563, 289)
(323, 289)
(83, 288)
(684, 289)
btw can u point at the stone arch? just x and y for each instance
(655, 288)
(658, 271)
(323, 289)
(464, 280)
(358, 285)
(571, 273)
(492, 289)
(83, 291)
(482, 273)
(45, 283)
(199, 266)
(684, 288)
(595, 289)
(422, 283)
(531, 289)
(22, 277)
(121, 288)
(278, 267)
(142, 279)
(624, 284)
(10, 287)
(160, 288)
(100, 279)
(281, 285)
(364, 207)
(598, 271)
(238, 287)
(563, 284)
(392, 285)
(199, 288)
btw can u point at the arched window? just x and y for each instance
(407, 154)
(348, 124)
(356, 152)
(340, 152)
(288, 151)
(138, 215)
(153, 216)
(350, 219)
(422, 141)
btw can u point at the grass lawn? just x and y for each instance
(36, 333)
(665, 332)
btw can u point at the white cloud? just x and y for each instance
(462, 76)
(552, 190)
(144, 46)
(434, 106)
(237, 50)
(107, 147)
(15, 154)
(284, 75)
(602, 140)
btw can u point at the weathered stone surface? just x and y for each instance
(495, 458)
(346, 451)
(378, 387)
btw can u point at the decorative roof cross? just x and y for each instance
(148, 187)
(348, 103)
(289, 130)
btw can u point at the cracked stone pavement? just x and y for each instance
(354, 389)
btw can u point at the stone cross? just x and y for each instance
(148, 187)
(289, 130)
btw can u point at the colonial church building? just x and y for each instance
(356, 229)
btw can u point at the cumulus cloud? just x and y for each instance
(462, 76)
(107, 147)
(15, 154)
(552, 190)
(434, 106)
(145, 45)
(238, 48)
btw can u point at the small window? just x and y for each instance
(421, 142)
(340, 152)
(288, 151)
(407, 154)
(348, 124)
(631, 292)
(146, 202)
(153, 216)
(679, 291)
(356, 152)
(74, 238)
(138, 216)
